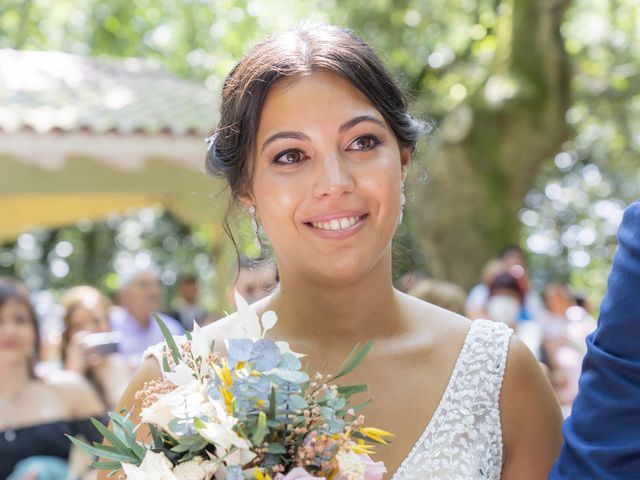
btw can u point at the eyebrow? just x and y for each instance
(343, 128)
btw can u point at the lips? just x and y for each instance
(337, 225)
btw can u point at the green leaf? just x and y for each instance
(165, 362)
(113, 439)
(271, 415)
(261, 429)
(126, 427)
(276, 448)
(156, 436)
(355, 408)
(103, 454)
(107, 465)
(168, 338)
(354, 359)
(349, 390)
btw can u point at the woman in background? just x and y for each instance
(89, 347)
(36, 413)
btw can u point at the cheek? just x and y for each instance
(278, 199)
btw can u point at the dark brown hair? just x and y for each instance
(306, 49)
(9, 292)
(301, 51)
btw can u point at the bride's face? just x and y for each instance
(327, 178)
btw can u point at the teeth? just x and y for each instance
(337, 223)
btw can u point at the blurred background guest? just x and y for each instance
(140, 296)
(443, 294)
(89, 347)
(566, 326)
(477, 298)
(505, 303)
(256, 279)
(187, 308)
(35, 412)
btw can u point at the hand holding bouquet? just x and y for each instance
(252, 414)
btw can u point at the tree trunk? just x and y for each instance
(491, 147)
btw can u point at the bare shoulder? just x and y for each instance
(530, 416)
(442, 326)
(76, 393)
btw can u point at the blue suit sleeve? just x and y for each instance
(602, 435)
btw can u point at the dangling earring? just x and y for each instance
(254, 227)
(403, 200)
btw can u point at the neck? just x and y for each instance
(326, 313)
(13, 378)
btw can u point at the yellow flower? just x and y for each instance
(376, 434)
(224, 373)
(227, 396)
(362, 447)
(261, 476)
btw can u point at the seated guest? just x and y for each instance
(140, 296)
(566, 326)
(89, 347)
(443, 294)
(188, 309)
(256, 279)
(36, 413)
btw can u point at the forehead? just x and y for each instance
(14, 306)
(317, 98)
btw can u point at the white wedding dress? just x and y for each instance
(463, 440)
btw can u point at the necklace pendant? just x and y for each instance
(10, 435)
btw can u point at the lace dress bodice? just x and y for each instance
(463, 440)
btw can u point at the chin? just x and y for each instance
(344, 271)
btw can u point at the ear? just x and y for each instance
(405, 161)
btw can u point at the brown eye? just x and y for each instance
(364, 143)
(289, 157)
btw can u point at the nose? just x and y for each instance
(333, 177)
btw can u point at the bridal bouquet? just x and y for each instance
(250, 414)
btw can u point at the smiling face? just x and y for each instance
(327, 178)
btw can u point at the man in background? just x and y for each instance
(140, 296)
(187, 306)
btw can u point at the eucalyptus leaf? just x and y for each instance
(276, 448)
(168, 338)
(354, 359)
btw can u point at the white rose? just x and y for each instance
(183, 402)
(218, 429)
(154, 466)
(195, 469)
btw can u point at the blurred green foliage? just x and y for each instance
(442, 50)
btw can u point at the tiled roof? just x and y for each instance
(54, 91)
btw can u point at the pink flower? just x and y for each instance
(358, 467)
(297, 473)
(373, 470)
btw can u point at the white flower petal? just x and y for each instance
(268, 320)
(284, 348)
(181, 375)
(132, 472)
(245, 320)
(154, 466)
(199, 342)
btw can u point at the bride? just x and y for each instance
(315, 142)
